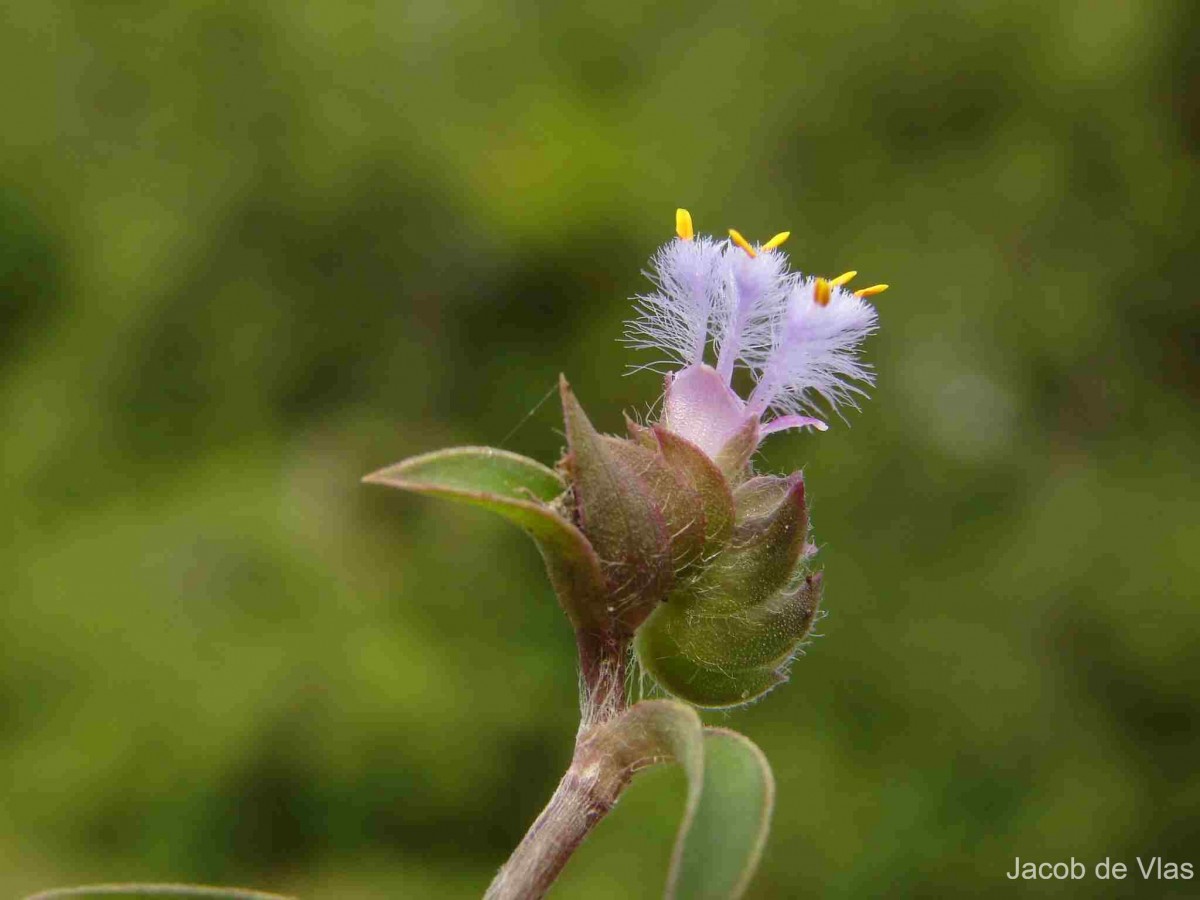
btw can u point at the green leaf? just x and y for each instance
(730, 793)
(475, 470)
(719, 849)
(518, 489)
(156, 890)
(650, 732)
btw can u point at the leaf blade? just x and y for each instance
(719, 849)
(156, 890)
(730, 796)
(478, 470)
(517, 489)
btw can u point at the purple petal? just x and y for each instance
(782, 423)
(700, 407)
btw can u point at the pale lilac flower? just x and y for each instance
(799, 336)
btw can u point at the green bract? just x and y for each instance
(725, 635)
(711, 557)
(702, 561)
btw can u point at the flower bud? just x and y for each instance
(668, 535)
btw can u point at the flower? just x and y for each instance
(667, 538)
(798, 335)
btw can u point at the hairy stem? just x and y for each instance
(603, 656)
(591, 785)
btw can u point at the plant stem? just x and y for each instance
(591, 785)
(603, 656)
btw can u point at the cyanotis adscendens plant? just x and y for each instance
(667, 536)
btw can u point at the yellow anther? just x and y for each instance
(871, 291)
(843, 278)
(777, 240)
(821, 292)
(683, 224)
(737, 238)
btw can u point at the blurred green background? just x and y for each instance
(250, 252)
